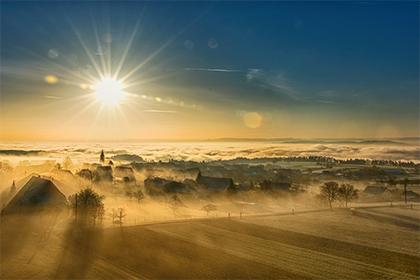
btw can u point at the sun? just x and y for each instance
(109, 92)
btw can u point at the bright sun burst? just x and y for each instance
(109, 92)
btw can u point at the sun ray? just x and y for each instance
(126, 50)
(148, 59)
(100, 50)
(87, 51)
(157, 52)
(75, 74)
(150, 80)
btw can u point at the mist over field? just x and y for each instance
(406, 149)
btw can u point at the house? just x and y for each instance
(413, 196)
(103, 173)
(267, 185)
(176, 187)
(157, 186)
(190, 173)
(125, 173)
(214, 183)
(85, 174)
(38, 193)
(375, 190)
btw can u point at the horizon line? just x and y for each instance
(219, 139)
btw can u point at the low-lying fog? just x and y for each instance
(398, 149)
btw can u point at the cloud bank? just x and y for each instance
(199, 151)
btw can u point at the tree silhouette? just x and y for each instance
(138, 195)
(347, 192)
(87, 204)
(175, 203)
(12, 189)
(329, 191)
(120, 214)
(209, 207)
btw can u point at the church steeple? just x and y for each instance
(102, 157)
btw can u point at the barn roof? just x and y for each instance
(37, 192)
(214, 183)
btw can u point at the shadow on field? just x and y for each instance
(16, 231)
(80, 243)
(391, 219)
(25, 232)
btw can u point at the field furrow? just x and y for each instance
(297, 260)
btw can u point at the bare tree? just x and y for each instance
(113, 215)
(209, 207)
(118, 215)
(405, 190)
(329, 191)
(138, 195)
(347, 192)
(175, 203)
(121, 213)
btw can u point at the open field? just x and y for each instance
(395, 229)
(319, 245)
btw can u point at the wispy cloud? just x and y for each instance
(275, 81)
(326, 101)
(213, 70)
(160, 111)
(52, 97)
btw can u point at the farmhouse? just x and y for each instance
(275, 186)
(156, 186)
(124, 173)
(103, 173)
(38, 193)
(413, 196)
(375, 190)
(214, 183)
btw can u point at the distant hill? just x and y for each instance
(397, 141)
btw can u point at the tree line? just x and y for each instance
(332, 191)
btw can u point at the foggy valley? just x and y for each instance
(209, 140)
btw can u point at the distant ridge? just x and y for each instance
(395, 141)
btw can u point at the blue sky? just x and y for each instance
(357, 62)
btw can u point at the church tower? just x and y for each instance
(102, 157)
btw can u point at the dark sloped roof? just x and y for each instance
(214, 183)
(37, 192)
(156, 184)
(375, 189)
(280, 186)
(122, 171)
